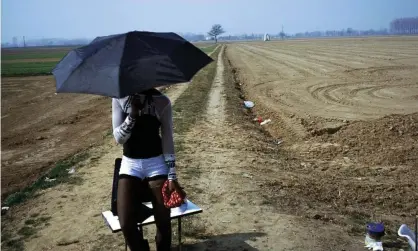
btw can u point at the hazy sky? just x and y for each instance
(91, 18)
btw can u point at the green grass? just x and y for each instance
(208, 49)
(21, 69)
(16, 241)
(38, 54)
(59, 173)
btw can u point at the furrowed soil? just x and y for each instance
(346, 112)
(315, 190)
(224, 163)
(40, 128)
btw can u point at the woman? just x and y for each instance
(137, 121)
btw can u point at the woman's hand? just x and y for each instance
(173, 185)
(135, 104)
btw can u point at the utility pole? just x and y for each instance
(24, 41)
(282, 33)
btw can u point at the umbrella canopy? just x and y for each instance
(123, 64)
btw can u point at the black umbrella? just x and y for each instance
(123, 64)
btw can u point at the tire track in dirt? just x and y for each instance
(304, 71)
(341, 93)
(285, 72)
(312, 66)
(236, 216)
(302, 57)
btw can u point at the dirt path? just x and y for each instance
(225, 166)
(236, 215)
(70, 215)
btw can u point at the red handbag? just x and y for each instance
(175, 199)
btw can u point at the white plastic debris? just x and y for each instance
(49, 180)
(374, 245)
(406, 232)
(265, 122)
(71, 171)
(249, 104)
(4, 210)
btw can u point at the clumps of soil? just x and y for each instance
(391, 140)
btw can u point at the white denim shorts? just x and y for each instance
(143, 168)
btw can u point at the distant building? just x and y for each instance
(266, 37)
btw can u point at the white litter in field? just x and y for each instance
(407, 233)
(4, 210)
(249, 104)
(71, 171)
(49, 180)
(265, 122)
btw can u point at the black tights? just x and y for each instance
(128, 204)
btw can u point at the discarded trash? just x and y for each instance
(248, 104)
(247, 175)
(49, 180)
(71, 171)
(279, 142)
(407, 233)
(258, 119)
(4, 210)
(265, 121)
(374, 234)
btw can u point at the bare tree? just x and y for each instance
(215, 31)
(407, 25)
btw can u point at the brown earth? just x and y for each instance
(347, 111)
(303, 194)
(225, 163)
(40, 128)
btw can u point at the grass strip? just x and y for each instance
(24, 69)
(57, 175)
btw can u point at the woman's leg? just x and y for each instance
(128, 207)
(161, 215)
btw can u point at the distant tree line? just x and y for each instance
(399, 26)
(404, 26)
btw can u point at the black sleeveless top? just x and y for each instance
(145, 141)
